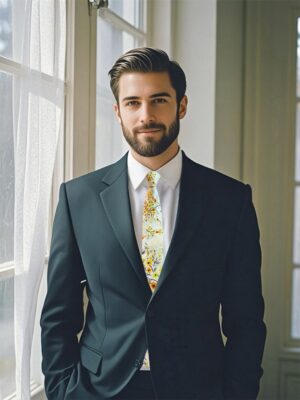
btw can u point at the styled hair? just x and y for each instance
(147, 59)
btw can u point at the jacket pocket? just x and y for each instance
(90, 358)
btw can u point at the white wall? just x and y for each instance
(189, 37)
(229, 87)
(194, 47)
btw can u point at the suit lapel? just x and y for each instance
(116, 203)
(192, 203)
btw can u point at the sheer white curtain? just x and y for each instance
(38, 122)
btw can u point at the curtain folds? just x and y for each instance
(38, 105)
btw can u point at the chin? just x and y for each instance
(148, 153)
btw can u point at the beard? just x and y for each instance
(151, 146)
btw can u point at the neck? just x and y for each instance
(157, 162)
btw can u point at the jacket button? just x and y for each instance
(138, 363)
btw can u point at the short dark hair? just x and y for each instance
(147, 59)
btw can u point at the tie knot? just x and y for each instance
(152, 178)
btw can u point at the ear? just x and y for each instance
(183, 106)
(117, 112)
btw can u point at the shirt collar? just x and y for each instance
(170, 172)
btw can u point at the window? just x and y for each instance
(31, 104)
(119, 28)
(295, 325)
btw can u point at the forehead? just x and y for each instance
(145, 84)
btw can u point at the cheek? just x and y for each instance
(168, 116)
(129, 119)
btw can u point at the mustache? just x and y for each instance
(152, 125)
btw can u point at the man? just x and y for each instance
(160, 243)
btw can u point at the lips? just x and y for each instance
(149, 132)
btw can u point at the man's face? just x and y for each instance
(148, 111)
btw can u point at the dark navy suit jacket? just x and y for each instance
(213, 262)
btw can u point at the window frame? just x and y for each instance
(7, 269)
(120, 23)
(291, 345)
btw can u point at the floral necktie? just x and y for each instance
(152, 237)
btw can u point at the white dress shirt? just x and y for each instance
(168, 191)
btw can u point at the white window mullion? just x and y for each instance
(121, 23)
(9, 66)
(7, 270)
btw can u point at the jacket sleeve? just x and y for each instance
(62, 313)
(243, 308)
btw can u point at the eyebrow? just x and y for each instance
(160, 94)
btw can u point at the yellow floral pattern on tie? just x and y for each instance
(152, 238)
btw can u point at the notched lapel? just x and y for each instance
(116, 203)
(193, 201)
(194, 196)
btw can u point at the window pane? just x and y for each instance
(7, 359)
(130, 10)
(296, 304)
(5, 28)
(111, 43)
(6, 170)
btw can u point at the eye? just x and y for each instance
(132, 103)
(159, 100)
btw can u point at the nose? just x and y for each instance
(146, 114)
